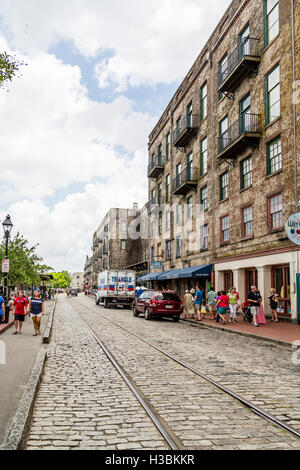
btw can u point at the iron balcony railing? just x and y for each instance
(188, 175)
(190, 121)
(247, 124)
(158, 161)
(247, 47)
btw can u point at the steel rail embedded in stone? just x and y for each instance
(156, 421)
(242, 400)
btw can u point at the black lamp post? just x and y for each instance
(7, 227)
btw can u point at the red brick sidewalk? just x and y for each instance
(5, 326)
(282, 331)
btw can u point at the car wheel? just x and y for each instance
(147, 314)
(176, 318)
(97, 302)
(135, 313)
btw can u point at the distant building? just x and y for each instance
(77, 280)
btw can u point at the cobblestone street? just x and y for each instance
(83, 403)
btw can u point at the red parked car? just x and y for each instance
(158, 304)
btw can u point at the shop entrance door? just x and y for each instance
(281, 283)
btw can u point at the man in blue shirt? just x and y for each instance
(2, 309)
(198, 299)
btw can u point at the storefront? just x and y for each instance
(266, 270)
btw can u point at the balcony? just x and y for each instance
(244, 132)
(156, 167)
(243, 60)
(186, 129)
(185, 181)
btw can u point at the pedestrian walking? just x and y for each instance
(2, 309)
(254, 298)
(233, 304)
(217, 307)
(273, 300)
(36, 308)
(211, 302)
(223, 303)
(19, 310)
(188, 305)
(198, 302)
(8, 308)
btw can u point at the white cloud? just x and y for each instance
(152, 41)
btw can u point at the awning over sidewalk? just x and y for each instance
(203, 271)
(150, 277)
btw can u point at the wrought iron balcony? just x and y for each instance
(185, 181)
(245, 131)
(185, 130)
(243, 60)
(156, 166)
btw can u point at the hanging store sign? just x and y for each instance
(156, 264)
(5, 265)
(292, 228)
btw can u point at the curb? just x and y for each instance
(8, 325)
(16, 435)
(242, 333)
(48, 329)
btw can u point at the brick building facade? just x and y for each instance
(224, 158)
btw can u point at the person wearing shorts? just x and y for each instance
(198, 299)
(36, 308)
(19, 310)
(254, 298)
(2, 309)
(223, 303)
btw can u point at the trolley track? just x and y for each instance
(258, 411)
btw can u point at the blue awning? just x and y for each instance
(151, 276)
(203, 271)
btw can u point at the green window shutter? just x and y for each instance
(267, 100)
(242, 176)
(268, 160)
(221, 189)
(266, 23)
(201, 160)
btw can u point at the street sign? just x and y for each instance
(156, 264)
(292, 228)
(5, 265)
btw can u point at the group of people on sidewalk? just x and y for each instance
(197, 304)
(21, 305)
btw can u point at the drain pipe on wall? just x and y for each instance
(294, 96)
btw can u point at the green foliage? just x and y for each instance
(25, 264)
(9, 66)
(61, 280)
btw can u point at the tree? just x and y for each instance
(9, 66)
(61, 280)
(25, 265)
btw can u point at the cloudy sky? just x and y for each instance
(75, 125)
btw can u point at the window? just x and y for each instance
(189, 112)
(123, 244)
(189, 165)
(244, 43)
(167, 188)
(159, 200)
(153, 196)
(178, 247)
(225, 229)
(247, 226)
(159, 155)
(152, 253)
(123, 226)
(223, 67)
(223, 133)
(168, 250)
(275, 212)
(273, 94)
(178, 214)
(203, 156)
(168, 221)
(160, 224)
(152, 229)
(271, 20)
(168, 146)
(224, 189)
(246, 173)
(203, 102)
(245, 116)
(203, 199)
(274, 162)
(190, 207)
(204, 237)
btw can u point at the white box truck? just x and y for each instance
(116, 288)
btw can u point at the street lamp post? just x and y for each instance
(7, 227)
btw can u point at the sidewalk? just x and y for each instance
(282, 332)
(6, 326)
(21, 353)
